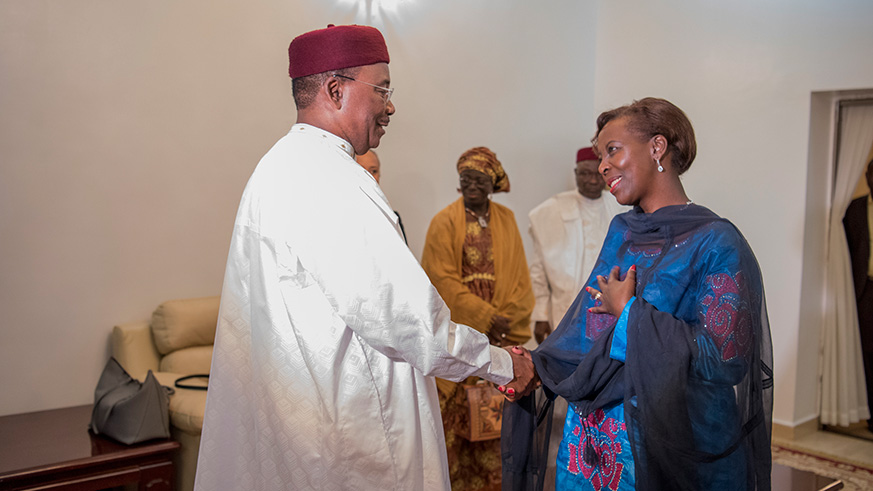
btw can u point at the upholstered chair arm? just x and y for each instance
(134, 347)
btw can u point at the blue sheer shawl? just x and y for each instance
(697, 381)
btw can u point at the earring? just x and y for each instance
(660, 168)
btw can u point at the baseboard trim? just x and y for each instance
(785, 432)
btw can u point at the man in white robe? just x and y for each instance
(568, 230)
(329, 333)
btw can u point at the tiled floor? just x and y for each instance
(834, 446)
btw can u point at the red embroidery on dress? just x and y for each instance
(606, 474)
(595, 324)
(724, 315)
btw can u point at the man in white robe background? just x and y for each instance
(568, 230)
(329, 332)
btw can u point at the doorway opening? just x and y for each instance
(841, 145)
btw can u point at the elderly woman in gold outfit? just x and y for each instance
(474, 256)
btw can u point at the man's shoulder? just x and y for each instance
(554, 204)
(613, 205)
(298, 171)
(293, 144)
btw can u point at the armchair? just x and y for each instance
(177, 341)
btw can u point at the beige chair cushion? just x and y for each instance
(196, 359)
(178, 324)
(187, 406)
(186, 410)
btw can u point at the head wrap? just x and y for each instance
(586, 153)
(335, 48)
(485, 161)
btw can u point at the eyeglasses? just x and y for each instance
(386, 92)
(476, 181)
(586, 174)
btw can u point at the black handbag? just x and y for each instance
(128, 410)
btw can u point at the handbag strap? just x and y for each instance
(192, 377)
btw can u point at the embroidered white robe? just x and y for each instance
(329, 337)
(568, 231)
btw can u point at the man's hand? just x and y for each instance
(542, 329)
(498, 331)
(526, 379)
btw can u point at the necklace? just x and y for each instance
(481, 219)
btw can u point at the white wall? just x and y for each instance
(474, 74)
(128, 130)
(744, 72)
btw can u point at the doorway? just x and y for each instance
(841, 389)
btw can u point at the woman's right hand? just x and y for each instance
(499, 330)
(614, 292)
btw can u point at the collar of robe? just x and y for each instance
(329, 137)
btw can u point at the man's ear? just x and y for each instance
(334, 90)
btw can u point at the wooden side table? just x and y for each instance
(54, 450)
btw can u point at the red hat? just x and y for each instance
(586, 153)
(335, 48)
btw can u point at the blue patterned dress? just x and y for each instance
(613, 466)
(675, 392)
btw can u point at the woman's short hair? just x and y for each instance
(304, 89)
(652, 116)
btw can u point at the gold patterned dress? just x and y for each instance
(477, 264)
(480, 273)
(473, 466)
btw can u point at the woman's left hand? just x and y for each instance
(614, 293)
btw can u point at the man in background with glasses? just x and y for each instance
(330, 333)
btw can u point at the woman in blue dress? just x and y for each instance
(665, 356)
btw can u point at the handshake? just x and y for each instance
(526, 378)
